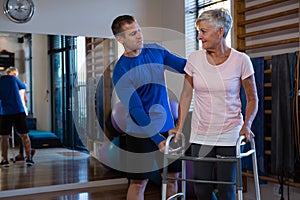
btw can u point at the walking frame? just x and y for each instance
(13, 143)
(178, 153)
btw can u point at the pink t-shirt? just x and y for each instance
(217, 105)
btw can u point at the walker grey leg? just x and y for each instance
(255, 171)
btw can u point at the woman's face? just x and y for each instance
(208, 35)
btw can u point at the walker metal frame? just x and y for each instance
(13, 143)
(179, 153)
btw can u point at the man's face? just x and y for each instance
(132, 37)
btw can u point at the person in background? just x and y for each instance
(13, 114)
(139, 81)
(20, 157)
(215, 75)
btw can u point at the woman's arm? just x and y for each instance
(251, 106)
(184, 105)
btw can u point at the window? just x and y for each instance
(64, 69)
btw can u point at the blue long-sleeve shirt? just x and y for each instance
(140, 84)
(11, 102)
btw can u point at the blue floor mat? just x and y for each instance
(43, 139)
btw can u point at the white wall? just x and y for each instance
(89, 18)
(41, 82)
(173, 15)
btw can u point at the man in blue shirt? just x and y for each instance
(139, 81)
(13, 114)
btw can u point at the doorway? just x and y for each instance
(63, 62)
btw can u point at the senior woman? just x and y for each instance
(215, 74)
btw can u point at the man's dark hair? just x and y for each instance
(117, 24)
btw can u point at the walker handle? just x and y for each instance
(169, 139)
(241, 141)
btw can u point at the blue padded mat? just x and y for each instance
(42, 139)
(35, 134)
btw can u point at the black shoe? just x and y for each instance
(29, 162)
(4, 163)
(19, 158)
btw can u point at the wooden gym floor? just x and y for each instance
(61, 173)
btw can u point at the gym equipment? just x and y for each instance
(13, 143)
(119, 114)
(112, 132)
(174, 108)
(189, 175)
(118, 117)
(178, 153)
(43, 139)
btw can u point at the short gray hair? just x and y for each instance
(218, 18)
